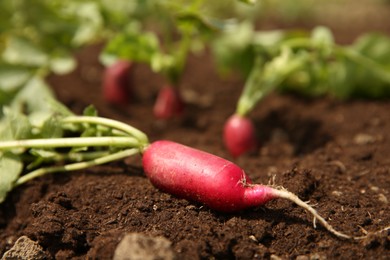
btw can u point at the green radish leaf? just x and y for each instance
(13, 77)
(90, 22)
(322, 36)
(41, 107)
(374, 46)
(90, 111)
(161, 62)
(339, 85)
(10, 169)
(90, 129)
(14, 126)
(368, 67)
(234, 49)
(193, 23)
(62, 64)
(21, 51)
(267, 76)
(134, 46)
(51, 128)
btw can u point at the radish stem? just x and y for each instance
(71, 142)
(109, 123)
(76, 166)
(72, 156)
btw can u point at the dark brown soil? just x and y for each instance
(333, 153)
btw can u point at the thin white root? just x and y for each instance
(272, 180)
(283, 193)
(363, 230)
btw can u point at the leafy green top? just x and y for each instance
(310, 64)
(38, 131)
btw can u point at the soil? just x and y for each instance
(333, 153)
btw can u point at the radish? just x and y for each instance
(196, 175)
(239, 135)
(221, 185)
(116, 83)
(168, 104)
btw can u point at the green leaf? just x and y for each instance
(322, 36)
(10, 169)
(90, 22)
(20, 51)
(322, 39)
(90, 111)
(134, 46)
(14, 126)
(62, 64)
(374, 46)
(194, 23)
(161, 62)
(37, 114)
(13, 77)
(51, 128)
(339, 85)
(267, 76)
(233, 49)
(34, 100)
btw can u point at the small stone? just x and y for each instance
(275, 257)
(253, 238)
(25, 248)
(382, 198)
(337, 193)
(374, 188)
(363, 139)
(137, 246)
(317, 256)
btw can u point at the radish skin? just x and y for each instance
(221, 185)
(116, 83)
(196, 175)
(239, 135)
(168, 104)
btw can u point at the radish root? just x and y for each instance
(283, 193)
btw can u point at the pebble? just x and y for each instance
(25, 248)
(382, 198)
(137, 246)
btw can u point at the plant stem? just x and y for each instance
(71, 142)
(110, 123)
(265, 77)
(76, 166)
(78, 157)
(72, 156)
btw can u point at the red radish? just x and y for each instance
(195, 175)
(116, 83)
(239, 135)
(168, 104)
